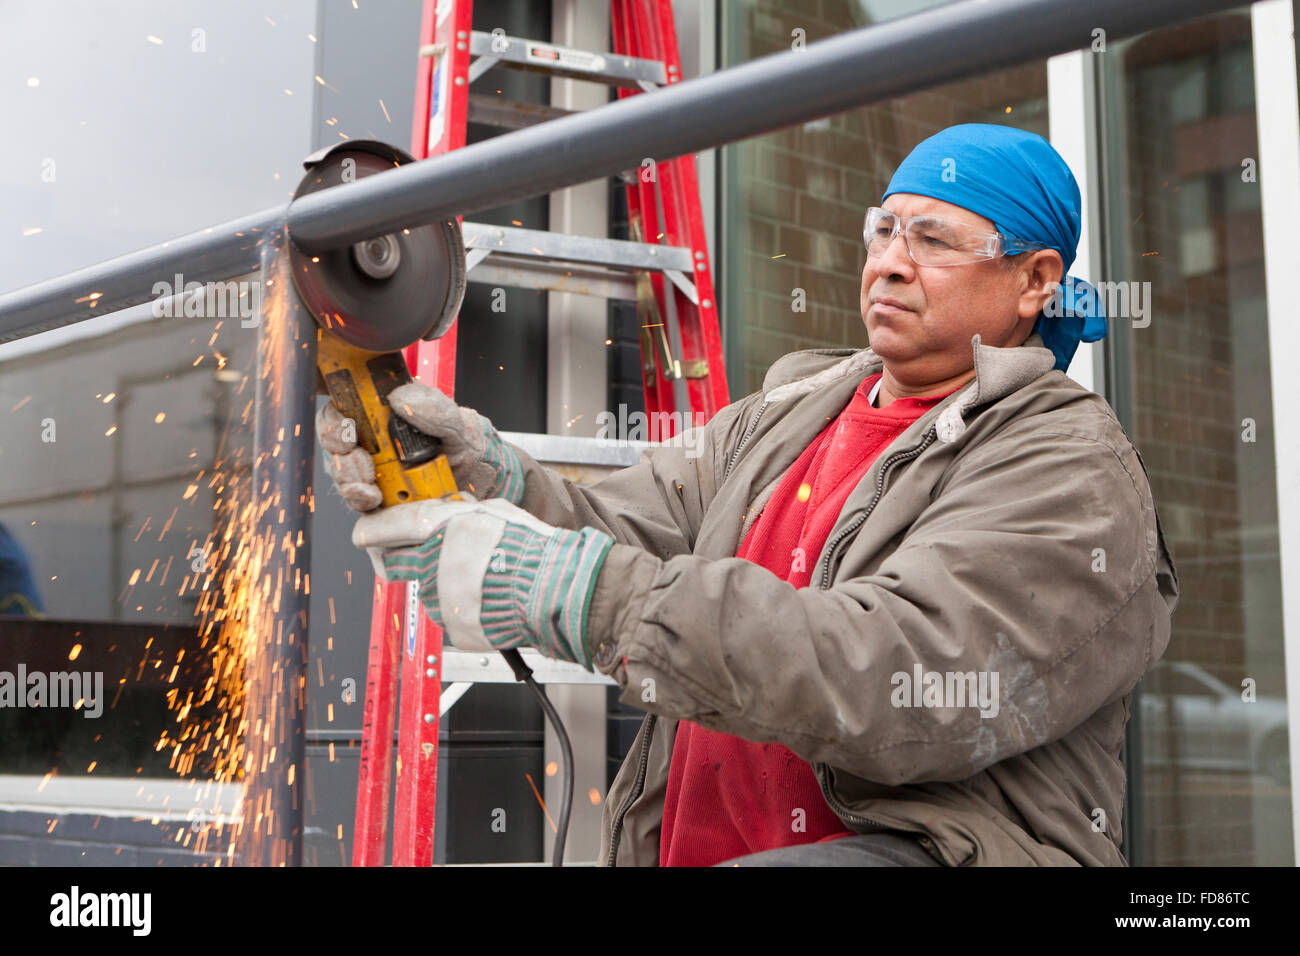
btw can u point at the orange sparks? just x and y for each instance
(529, 777)
(75, 652)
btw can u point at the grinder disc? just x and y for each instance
(380, 294)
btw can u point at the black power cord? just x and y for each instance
(524, 673)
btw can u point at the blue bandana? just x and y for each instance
(1017, 180)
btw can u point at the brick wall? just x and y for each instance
(799, 195)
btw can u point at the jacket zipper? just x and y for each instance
(744, 439)
(838, 807)
(647, 728)
(643, 763)
(880, 490)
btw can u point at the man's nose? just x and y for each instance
(895, 261)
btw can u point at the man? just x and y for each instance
(893, 611)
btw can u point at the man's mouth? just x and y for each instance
(887, 306)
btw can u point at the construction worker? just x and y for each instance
(891, 610)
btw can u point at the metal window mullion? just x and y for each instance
(1072, 113)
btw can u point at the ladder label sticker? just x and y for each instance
(412, 616)
(438, 100)
(567, 58)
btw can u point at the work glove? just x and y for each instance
(490, 574)
(480, 461)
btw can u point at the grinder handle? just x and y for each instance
(409, 465)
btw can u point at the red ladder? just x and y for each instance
(663, 203)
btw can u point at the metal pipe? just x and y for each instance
(941, 45)
(937, 46)
(209, 255)
(276, 597)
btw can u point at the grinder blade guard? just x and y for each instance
(386, 293)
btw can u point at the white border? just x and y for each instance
(1279, 181)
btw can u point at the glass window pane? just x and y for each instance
(1184, 220)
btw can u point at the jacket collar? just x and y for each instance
(998, 373)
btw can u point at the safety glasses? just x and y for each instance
(936, 241)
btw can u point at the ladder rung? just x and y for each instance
(471, 668)
(551, 275)
(538, 243)
(524, 54)
(577, 449)
(510, 114)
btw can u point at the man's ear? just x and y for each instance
(1041, 272)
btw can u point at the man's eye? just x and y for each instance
(935, 241)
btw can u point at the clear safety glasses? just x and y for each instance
(935, 241)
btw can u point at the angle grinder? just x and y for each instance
(370, 300)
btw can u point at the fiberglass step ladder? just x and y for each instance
(672, 285)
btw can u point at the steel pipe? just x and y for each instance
(937, 46)
(210, 255)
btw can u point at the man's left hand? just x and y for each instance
(490, 574)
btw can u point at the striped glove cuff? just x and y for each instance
(503, 460)
(544, 585)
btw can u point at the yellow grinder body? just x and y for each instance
(371, 300)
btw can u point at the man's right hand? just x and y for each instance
(481, 462)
